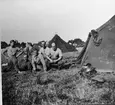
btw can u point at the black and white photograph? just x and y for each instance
(57, 52)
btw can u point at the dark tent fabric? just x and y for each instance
(101, 56)
(60, 43)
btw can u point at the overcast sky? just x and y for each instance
(35, 20)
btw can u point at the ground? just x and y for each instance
(58, 87)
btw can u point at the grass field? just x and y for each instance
(58, 87)
(71, 54)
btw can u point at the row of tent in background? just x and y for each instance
(70, 46)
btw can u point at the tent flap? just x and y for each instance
(100, 47)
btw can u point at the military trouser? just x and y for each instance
(13, 63)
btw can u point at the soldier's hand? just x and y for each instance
(6, 57)
(34, 69)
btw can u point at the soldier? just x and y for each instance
(45, 50)
(55, 54)
(37, 60)
(12, 55)
(55, 57)
(27, 51)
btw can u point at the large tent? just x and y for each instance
(65, 47)
(100, 47)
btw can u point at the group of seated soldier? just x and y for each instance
(32, 59)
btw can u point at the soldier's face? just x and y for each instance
(43, 44)
(12, 44)
(27, 45)
(54, 47)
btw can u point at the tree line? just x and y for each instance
(18, 44)
(76, 41)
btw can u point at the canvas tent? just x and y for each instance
(65, 47)
(100, 47)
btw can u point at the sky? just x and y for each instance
(36, 20)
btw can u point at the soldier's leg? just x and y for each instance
(10, 64)
(43, 62)
(33, 66)
(47, 63)
(15, 63)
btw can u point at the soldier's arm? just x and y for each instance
(20, 52)
(4, 51)
(43, 62)
(60, 56)
(49, 58)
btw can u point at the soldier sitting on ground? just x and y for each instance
(38, 61)
(45, 51)
(55, 55)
